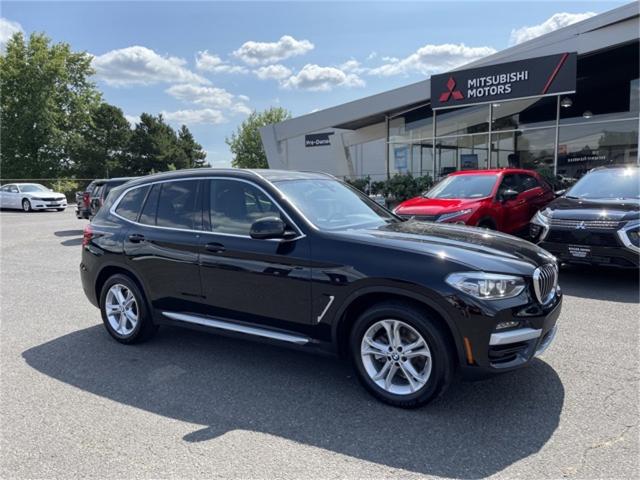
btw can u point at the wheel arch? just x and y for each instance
(364, 298)
(108, 271)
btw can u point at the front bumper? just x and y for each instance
(620, 256)
(490, 350)
(44, 205)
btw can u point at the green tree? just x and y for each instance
(103, 149)
(154, 147)
(246, 145)
(193, 150)
(46, 99)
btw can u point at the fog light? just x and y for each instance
(509, 324)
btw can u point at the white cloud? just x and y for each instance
(556, 21)
(316, 78)
(431, 59)
(138, 65)
(352, 66)
(192, 117)
(212, 97)
(208, 62)
(261, 53)
(7, 29)
(273, 72)
(132, 119)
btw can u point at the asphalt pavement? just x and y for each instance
(76, 404)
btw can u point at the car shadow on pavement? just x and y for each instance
(476, 429)
(70, 242)
(68, 233)
(601, 283)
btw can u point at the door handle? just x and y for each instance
(136, 238)
(214, 247)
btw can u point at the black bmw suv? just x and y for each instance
(305, 260)
(596, 222)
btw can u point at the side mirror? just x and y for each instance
(268, 227)
(559, 193)
(509, 194)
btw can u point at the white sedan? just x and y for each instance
(31, 196)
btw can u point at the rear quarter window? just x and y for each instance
(130, 204)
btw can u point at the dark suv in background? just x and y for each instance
(305, 260)
(597, 221)
(90, 201)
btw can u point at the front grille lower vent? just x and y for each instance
(545, 281)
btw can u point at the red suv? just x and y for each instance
(501, 199)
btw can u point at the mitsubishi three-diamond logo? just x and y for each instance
(451, 92)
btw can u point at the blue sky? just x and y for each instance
(207, 64)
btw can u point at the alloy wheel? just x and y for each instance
(396, 357)
(26, 205)
(121, 309)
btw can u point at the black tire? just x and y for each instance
(145, 328)
(442, 355)
(60, 209)
(26, 205)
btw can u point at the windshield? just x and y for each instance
(33, 187)
(463, 186)
(331, 205)
(608, 184)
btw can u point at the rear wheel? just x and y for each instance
(26, 205)
(400, 355)
(124, 310)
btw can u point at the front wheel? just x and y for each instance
(124, 310)
(400, 354)
(26, 205)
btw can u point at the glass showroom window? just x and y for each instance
(461, 121)
(524, 114)
(410, 142)
(532, 149)
(462, 152)
(583, 147)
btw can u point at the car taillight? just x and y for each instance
(87, 235)
(85, 199)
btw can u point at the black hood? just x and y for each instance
(567, 208)
(477, 248)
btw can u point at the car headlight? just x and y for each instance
(630, 235)
(542, 217)
(450, 215)
(36, 198)
(487, 286)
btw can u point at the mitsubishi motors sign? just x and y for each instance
(533, 77)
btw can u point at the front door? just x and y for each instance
(515, 212)
(247, 279)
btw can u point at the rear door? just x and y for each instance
(258, 281)
(163, 242)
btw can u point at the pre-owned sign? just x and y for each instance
(550, 75)
(317, 139)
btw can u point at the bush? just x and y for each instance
(66, 186)
(400, 187)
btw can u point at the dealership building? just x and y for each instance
(565, 102)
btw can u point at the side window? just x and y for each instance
(6, 188)
(13, 189)
(234, 206)
(511, 182)
(177, 205)
(529, 182)
(148, 215)
(130, 204)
